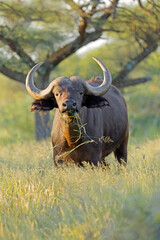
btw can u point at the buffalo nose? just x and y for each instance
(69, 105)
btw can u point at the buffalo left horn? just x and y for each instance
(33, 90)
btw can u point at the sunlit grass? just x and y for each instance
(38, 201)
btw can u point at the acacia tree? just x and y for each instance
(52, 31)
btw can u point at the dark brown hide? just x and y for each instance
(86, 128)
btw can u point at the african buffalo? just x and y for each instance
(90, 120)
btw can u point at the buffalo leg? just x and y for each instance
(94, 160)
(121, 154)
(104, 163)
(57, 160)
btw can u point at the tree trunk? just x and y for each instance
(42, 126)
(42, 120)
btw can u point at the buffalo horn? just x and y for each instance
(104, 87)
(33, 90)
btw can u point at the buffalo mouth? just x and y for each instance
(69, 113)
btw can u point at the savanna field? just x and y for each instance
(38, 201)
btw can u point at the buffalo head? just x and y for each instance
(68, 94)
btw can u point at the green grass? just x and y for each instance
(38, 201)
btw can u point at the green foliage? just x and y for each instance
(144, 101)
(37, 27)
(41, 29)
(16, 123)
(144, 114)
(136, 25)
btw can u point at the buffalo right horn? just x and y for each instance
(104, 87)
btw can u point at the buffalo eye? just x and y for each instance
(81, 93)
(58, 94)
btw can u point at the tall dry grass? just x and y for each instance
(38, 201)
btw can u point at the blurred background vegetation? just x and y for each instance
(123, 34)
(17, 123)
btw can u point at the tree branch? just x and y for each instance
(108, 11)
(16, 47)
(82, 26)
(133, 63)
(72, 47)
(132, 82)
(84, 37)
(12, 74)
(112, 30)
(148, 11)
(11, 8)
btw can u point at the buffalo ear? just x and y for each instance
(95, 101)
(44, 105)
